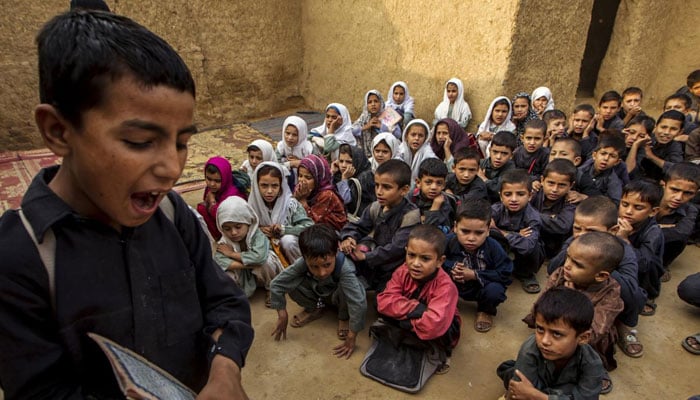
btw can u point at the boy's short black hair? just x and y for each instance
(612, 140)
(599, 207)
(432, 167)
(430, 234)
(82, 53)
(568, 305)
(318, 240)
(686, 171)
(466, 153)
(608, 249)
(561, 166)
(572, 143)
(479, 209)
(506, 139)
(550, 115)
(515, 176)
(649, 191)
(610, 95)
(537, 124)
(98, 5)
(399, 171)
(585, 107)
(632, 90)
(680, 96)
(672, 115)
(693, 78)
(644, 120)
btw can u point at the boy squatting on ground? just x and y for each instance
(556, 362)
(436, 207)
(590, 259)
(120, 116)
(377, 242)
(323, 276)
(477, 263)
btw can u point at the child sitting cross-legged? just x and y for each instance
(436, 207)
(556, 361)
(323, 276)
(477, 263)
(590, 259)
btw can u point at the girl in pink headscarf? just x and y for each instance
(217, 173)
(316, 192)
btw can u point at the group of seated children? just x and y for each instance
(438, 215)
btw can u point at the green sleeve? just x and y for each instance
(298, 218)
(258, 251)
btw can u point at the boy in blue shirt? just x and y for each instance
(600, 168)
(502, 146)
(436, 207)
(464, 182)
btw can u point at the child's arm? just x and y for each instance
(559, 224)
(499, 268)
(328, 208)
(298, 219)
(356, 298)
(227, 258)
(604, 313)
(649, 154)
(286, 281)
(681, 231)
(528, 238)
(393, 301)
(258, 251)
(648, 250)
(383, 257)
(439, 213)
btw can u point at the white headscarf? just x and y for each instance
(235, 209)
(268, 154)
(407, 105)
(507, 125)
(460, 111)
(344, 132)
(303, 147)
(424, 152)
(390, 141)
(256, 201)
(544, 92)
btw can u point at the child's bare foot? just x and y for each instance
(306, 317)
(692, 344)
(444, 368)
(343, 329)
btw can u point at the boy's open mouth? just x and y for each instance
(146, 201)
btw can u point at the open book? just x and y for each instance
(138, 378)
(390, 117)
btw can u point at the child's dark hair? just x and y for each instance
(561, 166)
(516, 176)
(609, 249)
(571, 306)
(680, 96)
(89, 5)
(600, 207)
(252, 147)
(649, 191)
(82, 53)
(432, 167)
(572, 143)
(632, 90)
(536, 124)
(646, 121)
(585, 107)
(610, 95)
(399, 171)
(345, 149)
(686, 171)
(269, 170)
(318, 240)
(612, 140)
(479, 209)
(211, 169)
(693, 78)
(501, 102)
(430, 234)
(466, 153)
(506, 139)
(550, 115)
(672, 115)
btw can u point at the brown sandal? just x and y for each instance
(306, 317)
(483, 322)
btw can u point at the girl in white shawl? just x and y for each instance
(415, 146)
(498, 118)
(370, 123)
(281, 216)
(453, 104)
(384, 147)
(243, 250)
(400, 100)
(294, 144)
(335, 130)
(258, 151)
(542, 100)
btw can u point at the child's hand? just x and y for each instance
(599, 121)
(226, 250)
(449, 191)
(461, 274)
(333, 125)
(522, 389)
(635, 111)
(348, 173)
(437, 202)
(348, 245)
(487, 136)
(266, 230)
(346, 348)
(276, 230)
(334, 167)
(644, 142)
(536, 186)
(357, 254)
(625, 228)
(280, 331)
(587, 130)
(302, 191)
(447, 144)
(525, 232)
(482, 174)
(211, 198)
(374, 122)
(575, 197)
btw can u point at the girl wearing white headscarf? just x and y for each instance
(370, 123)
(410, 154)
(388, 140)
(542, 100)
(403, 104)
(335, 130)
(243, 250)
(293, 147)
(281, 216)
(268, 154)
(495, 123)
(454, 107)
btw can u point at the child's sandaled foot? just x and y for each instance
(483, 322)
(666, 276)
(306, 317)
(692, 344)
(606, 385)
(343, 329)
(443, 368)
(530, 285)
(649, 308)
(629, 344)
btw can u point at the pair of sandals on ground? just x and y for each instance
(308, 316)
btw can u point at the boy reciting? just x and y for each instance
(117, 105)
